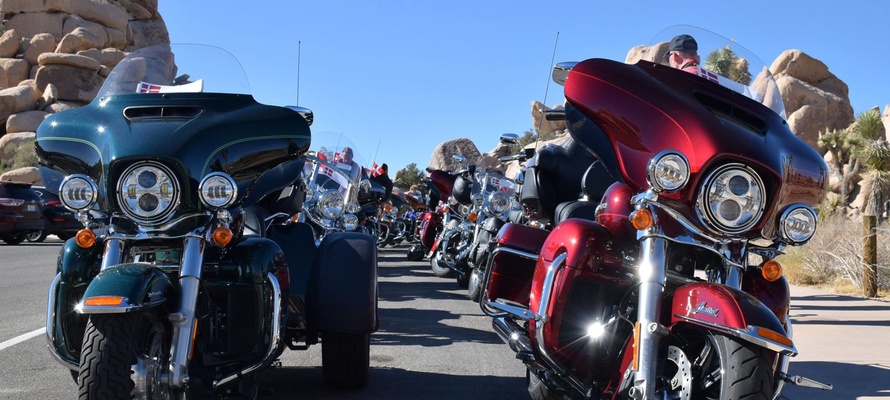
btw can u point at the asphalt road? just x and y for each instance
(434, 344)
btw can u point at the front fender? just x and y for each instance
(138, 286)
(729, 311)
(342, 296)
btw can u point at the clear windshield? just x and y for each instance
(722, 61)
(493, 181)
(334, 163)
(177, 68)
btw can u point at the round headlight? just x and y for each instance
(331, 204)
(78, 192)
(668, 172)
(732, 198)
(218, 190)
(147, 192)
(364, 185)
(310, 195)
(477, 199)
(499, 202)
(797, 224)
(350, 222)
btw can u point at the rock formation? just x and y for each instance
(442, 155)
(54, 56)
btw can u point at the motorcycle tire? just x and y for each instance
(742, 370)
(439, 269)
(345, 359)
(109, 351)
(474, 286)
(537, 390)
(463, 281)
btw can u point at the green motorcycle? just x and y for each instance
(192, 271)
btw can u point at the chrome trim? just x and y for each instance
(227, 177)
(162, 216)
(703, 211)
(653, 259)
(51, 326)
(650, 168)
(93, 187)
(183, 320)
(113, 253)
(784, 361)
(784, 216)
(561, 72)
(273, 344)
(748, 334)
(484, 303)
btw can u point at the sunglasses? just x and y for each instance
(667, 56)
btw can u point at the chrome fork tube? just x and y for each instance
(652, 279)
(183, 320)
(112, 255)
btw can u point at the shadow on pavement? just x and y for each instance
(850, 381)
(410, 327)
(389, 383)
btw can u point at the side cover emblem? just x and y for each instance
(704, 309)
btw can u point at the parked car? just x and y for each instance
(20, 212)
(58, 220)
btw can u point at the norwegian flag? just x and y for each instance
(145, 87)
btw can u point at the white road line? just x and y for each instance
(21, 338)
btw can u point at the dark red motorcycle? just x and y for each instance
(429, 224)
(670, 290)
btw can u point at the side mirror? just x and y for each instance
(305, 112)
(561, 71)
(461, 159)
(510, 139)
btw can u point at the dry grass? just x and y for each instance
(832, 260)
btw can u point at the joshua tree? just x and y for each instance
(726, 63)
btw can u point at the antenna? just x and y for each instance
(299, 47)
(546, 90)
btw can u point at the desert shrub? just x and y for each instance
(22, 156)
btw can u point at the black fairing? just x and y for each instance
(463, 190)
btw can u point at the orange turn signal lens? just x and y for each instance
(103, 301)
(771, 270)
(295, 218)
(774, 336)
(222, 235)
(472, 217)
(642, 219)
(85, 238)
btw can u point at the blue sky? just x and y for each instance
(400, 77)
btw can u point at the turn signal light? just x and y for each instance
(295, 218)
(771, 270)
(642, 219)
(103, 301)
(472, 217)
(85, 238)
(222, 235)
(774, 336)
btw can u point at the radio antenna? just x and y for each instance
(546, 91)
(299, 47)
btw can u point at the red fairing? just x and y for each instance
(711, 304)
(431, 221)
(774, 295)
(646, 108)
(511, 275)
(444, 182)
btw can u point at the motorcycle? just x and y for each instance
(429, 224)
(184, 282)
(671, 289)
(333, 170)
(449, 253)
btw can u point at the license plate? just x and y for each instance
(32, 207)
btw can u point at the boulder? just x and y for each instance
(654, 53)
(144, 33)
(72, 60)
(108, 57)
(50, 94)
(105, 12)
(74, 83)
(9, 44)
(15, 100)
(62, 105)
(39, 44)
(13, 71)
(541, 124)
(442, 154)
(95, 31)
(801, 66)
(25, 174)
(80, 39)
(10, 142)
(116, 39)
(30, 24)
(26, 121)
(138, 11)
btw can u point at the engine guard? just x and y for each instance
(732, 312)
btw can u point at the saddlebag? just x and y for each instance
(513, 261)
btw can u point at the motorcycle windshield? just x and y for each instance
(178, 68)
(722, 61)
(493, 182)
(333, 163)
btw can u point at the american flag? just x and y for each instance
(145, 87)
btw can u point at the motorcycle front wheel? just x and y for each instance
(708, 365)
(124, 356)
(474, 286)
(438, 265)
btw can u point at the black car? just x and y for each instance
(59, 220)
(20, 212)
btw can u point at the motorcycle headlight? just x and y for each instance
(732, 198)
(477, 199)
(331, 204)
(218, 190)
(78, 192)
(350, 222)
(147, 192)
(499, 202)
(310, 195)
(668, 172)
(797, 224)
(364, 185)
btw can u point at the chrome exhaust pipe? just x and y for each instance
(511, 333)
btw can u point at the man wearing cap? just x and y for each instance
(683, 54)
